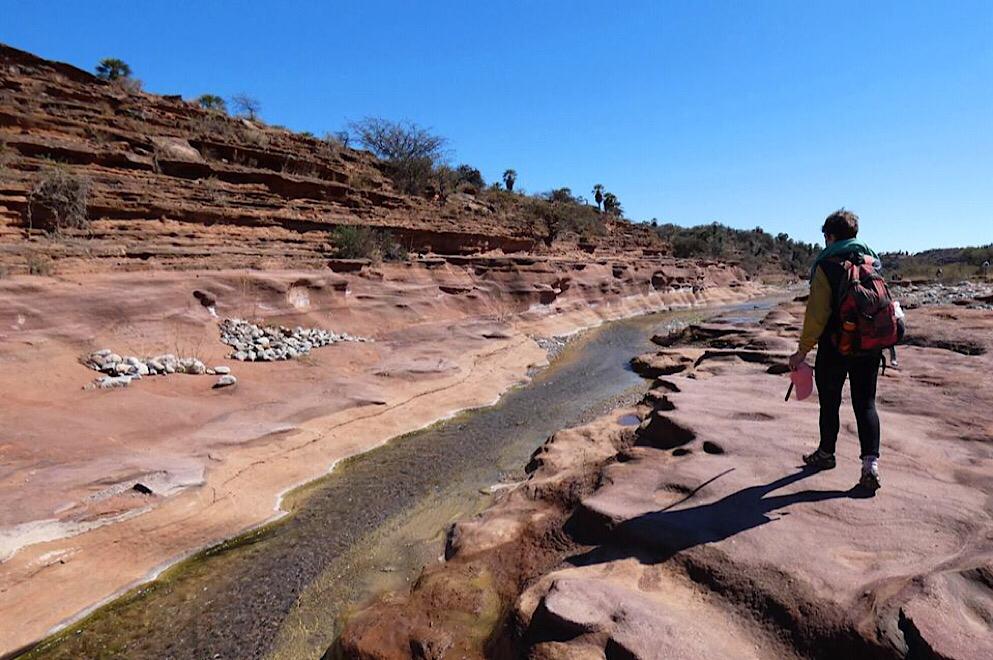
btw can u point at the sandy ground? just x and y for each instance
(73, 532)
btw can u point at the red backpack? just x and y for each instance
(867, 315)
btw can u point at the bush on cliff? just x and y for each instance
(411, 153)
(356, 242)
(212, 102)
(58, 201)
(557, 213)
(111, 68)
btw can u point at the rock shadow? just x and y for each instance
(658, 536)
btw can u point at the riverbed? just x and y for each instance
(282, 591)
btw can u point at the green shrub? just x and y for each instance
(111, 68)
(58, 201)
(212, 102)
(470, 176)
(552, 219)
(754, 249)
(353, 242)
(358, 242)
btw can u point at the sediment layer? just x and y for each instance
(175, 186)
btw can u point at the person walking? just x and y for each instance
(821, 326)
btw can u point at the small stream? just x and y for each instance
(369, 526)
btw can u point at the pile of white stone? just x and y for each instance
(119, 370)
(268, 343)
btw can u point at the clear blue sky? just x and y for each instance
(769, 113)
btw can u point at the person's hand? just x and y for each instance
(796, 359)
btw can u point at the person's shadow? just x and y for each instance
(659, 535)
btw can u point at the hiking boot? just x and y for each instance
(870, 479)
(819, 460)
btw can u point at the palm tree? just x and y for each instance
(111, 68)
(612, 205)
(598, 195)
(509, 177)
(212, 102)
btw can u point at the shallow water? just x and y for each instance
(369, 526)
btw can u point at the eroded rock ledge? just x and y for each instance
(696, 534)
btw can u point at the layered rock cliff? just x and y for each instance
(174, 186)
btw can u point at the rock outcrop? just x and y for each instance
(698, 534)
(449, 333)
(174, 186)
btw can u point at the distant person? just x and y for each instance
(938, 273)
(822, 327)
(986, 269)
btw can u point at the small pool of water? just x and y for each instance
(629, 420)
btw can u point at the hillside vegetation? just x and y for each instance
(755, 250)
(955, 263)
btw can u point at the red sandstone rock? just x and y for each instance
(701, 536)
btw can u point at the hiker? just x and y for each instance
(938, 273)
(822, 326)
(986, 269)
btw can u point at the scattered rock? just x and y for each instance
(225, 381)
(975, 295)
(120, 371)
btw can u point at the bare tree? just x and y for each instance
(397, 140)
(246, 106)
(412, 152)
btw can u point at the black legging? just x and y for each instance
(831, 370)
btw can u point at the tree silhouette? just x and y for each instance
(212, 102)
(611, 204)
(246, 106)
(598, 195)
(111, 68)
(509, 178)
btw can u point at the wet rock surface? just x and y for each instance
(698, 533)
